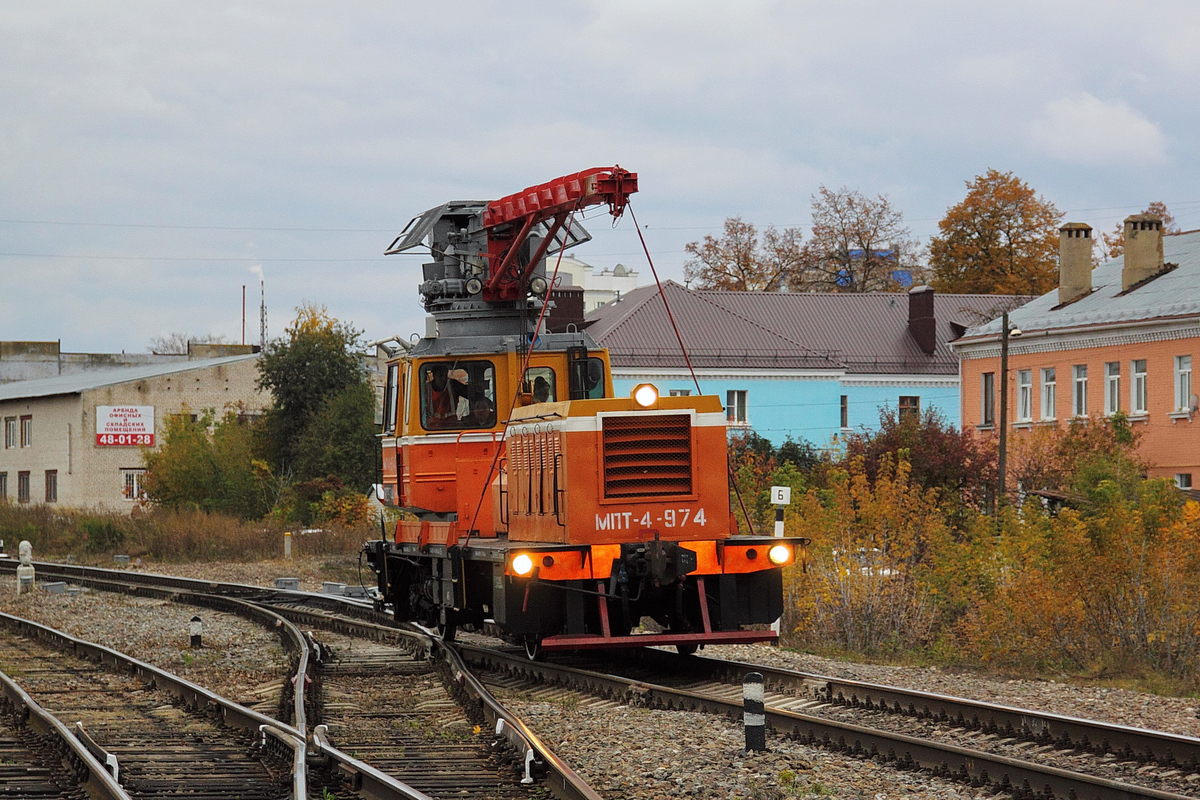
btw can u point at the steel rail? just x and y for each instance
(92, 775)
(560, 778)
(1167, 749)
(979, 768)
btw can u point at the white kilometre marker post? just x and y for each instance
(781, 497)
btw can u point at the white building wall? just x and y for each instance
(599, 287)
(64, 430)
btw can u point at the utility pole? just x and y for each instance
(262, 316)
(1005, 333)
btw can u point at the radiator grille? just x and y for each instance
(647, 456)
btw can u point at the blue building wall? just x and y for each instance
(809, 407)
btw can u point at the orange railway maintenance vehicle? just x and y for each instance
(536, 498)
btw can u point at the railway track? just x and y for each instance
(159, 749)
(907, 728)
(484, 751)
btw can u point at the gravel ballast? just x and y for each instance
(626, 752)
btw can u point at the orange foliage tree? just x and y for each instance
(866, 587)
(1001, 239)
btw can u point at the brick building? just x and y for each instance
(1121, 337)
(78, 439)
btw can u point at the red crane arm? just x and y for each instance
(554, 200)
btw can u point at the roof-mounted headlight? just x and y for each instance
(645, 395)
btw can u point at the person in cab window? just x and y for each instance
(442, 401)
(482, 413)
(541, 390)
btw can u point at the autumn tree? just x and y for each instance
(1001, 239)
(740, 261)
(207, 464)
(858, 244)
(1112, 245)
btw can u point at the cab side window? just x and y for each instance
(456, 395)
(539, 381)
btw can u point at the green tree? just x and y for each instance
(339, 439)
(306, 372)
(207, 465)
(1001, 239)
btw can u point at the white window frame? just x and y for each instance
(1112, 388)
(1024, 395)
(844, 412)
(27, 430)
(987, 400)
(1138, 399)
(51, 486)
(23, 488)
(10, 433)
(736, 411)
(1049, 392)
(1079, 378)
(1183, 480)
(131, 484)
(1183, 382)
(679, 392)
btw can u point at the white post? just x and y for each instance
(25, 571)
(287, 544)
(781, 496)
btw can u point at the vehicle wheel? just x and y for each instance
(686, 649)
(448, 628)
(533, 647)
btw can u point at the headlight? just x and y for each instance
(522, 565)
(538, 285)
(474, 286)
(779, 554)
(645, 395)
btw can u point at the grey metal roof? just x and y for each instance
(1170, 295)
(856, 333)
(94, 379)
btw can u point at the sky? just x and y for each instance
(157, 156)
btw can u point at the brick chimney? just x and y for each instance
(1143, 249)
(921, 322)
(1074, 262)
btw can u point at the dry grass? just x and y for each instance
(164, 536)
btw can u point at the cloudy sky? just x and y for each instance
(156, 156)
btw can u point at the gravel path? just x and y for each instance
(626, 752)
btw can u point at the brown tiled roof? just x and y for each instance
(857, 333)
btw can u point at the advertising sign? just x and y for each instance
(124, 426)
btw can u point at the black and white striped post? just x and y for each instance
(196, 629)
(754, 714)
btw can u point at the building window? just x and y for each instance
(845, 411)
(988, 417)
(51, 486)
(1079, 396)
(910, 408)
(3, 487)
(735, 407)
(1183, 382)
(1183, 480)
(1049, 392)
(27, 431)
(1137, 387)
(680, 392)
(1024, 395)
(1112, 388)
(22, 487)
(131, 480)
(10, 433)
